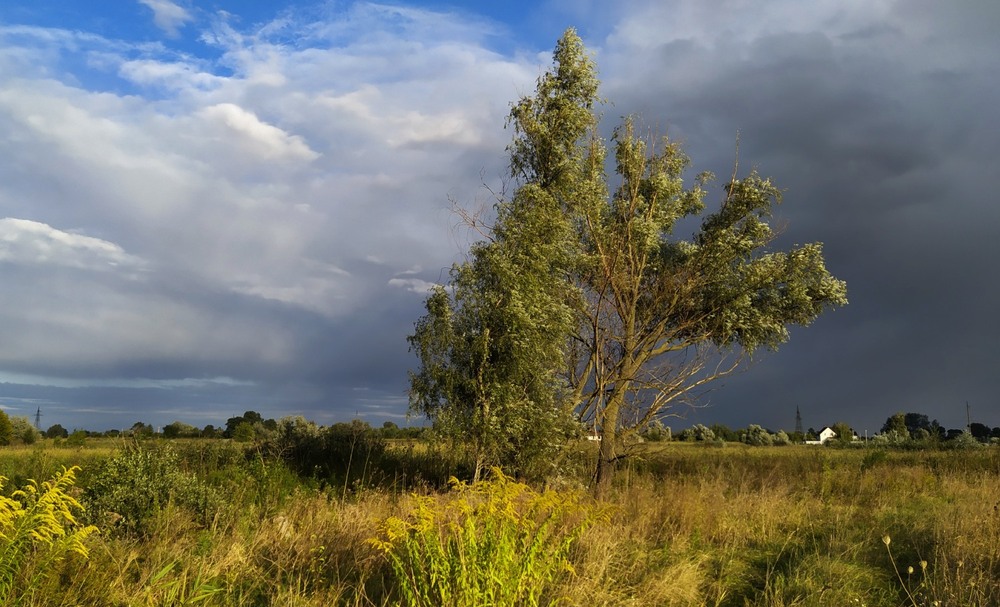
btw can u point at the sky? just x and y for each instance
(208, 207)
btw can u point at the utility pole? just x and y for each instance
(968, 418)
(38, 419)
(798, 420)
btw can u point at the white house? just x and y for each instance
(826, 434)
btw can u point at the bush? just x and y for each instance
(23, 431)
(495, 542)
(130, 489)
(347, 453)
(757, 436)
(965, 440)
(699, 433)
(656, 432)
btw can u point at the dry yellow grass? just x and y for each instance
(730, 527)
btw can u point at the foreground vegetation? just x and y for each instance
(219, 523)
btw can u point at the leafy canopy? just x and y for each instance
(582, 300)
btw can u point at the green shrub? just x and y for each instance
(757, 436)
(128, 490)
(343, 453)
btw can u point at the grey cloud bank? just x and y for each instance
(202, 236)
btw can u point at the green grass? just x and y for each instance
(688, 525)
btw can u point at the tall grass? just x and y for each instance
(688, 526)
(497, 542)
(38, 529)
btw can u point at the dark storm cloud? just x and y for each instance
(877, 132)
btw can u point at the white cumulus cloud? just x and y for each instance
(266, 139)
(167, 15)
(23, 241)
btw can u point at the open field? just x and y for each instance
(687, 525)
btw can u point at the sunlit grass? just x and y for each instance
(690, 525)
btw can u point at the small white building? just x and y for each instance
(825, 435)
(828, 434)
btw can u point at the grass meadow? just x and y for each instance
(686, 524)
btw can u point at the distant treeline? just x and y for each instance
(251, 426)
(900, 429)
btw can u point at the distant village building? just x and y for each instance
(828, 434)
(824, 436)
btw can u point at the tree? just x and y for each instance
(24, 430)
(757, 436)
(179, 429)
(980, 432)
(629, 320)
(6, 429)
(244, 432)
(492, 347)
(698, 433)
(141, 430)
(261, 427)
(725, 433)
(916, 422)
(895, 428)
(845, 435)
(56, 431)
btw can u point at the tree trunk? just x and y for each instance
(607, 454)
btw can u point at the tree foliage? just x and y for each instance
(6, 429)
(56, 431)
(583, 301)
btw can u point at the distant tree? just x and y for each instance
(141, 430)
(953, 433)
(724, 432)
(24, 430)
(756, 435)
(656, 431)
(963, 440)
(896, 425)
(937, 431)
(56, 431)
(698, 433)
(261, 427)
(980, 432)
(179, 429)
(916, 422)
(77, 438)
(252, 417)
(210, 431)
(995, 432)
(244, 432)
(782, 438)
(6, 429)
(796, 438)
(812, 434)
(845, 435)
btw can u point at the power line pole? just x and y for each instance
(798, 420)
(38, 419)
